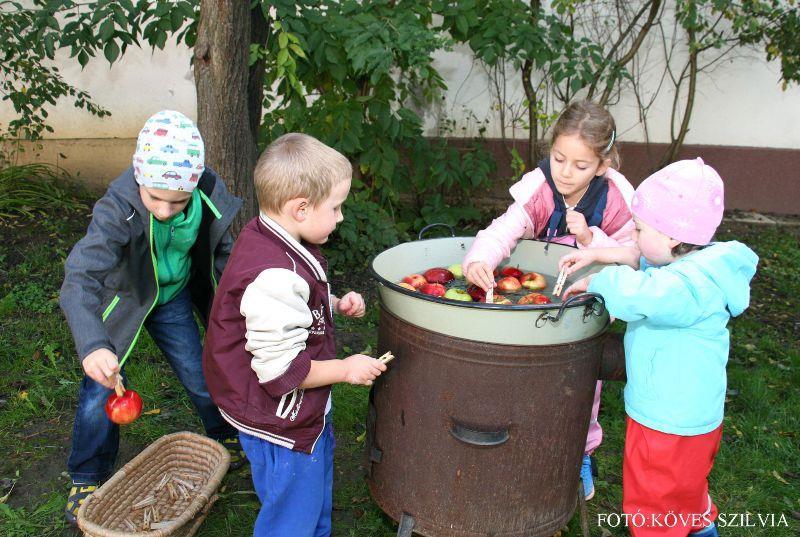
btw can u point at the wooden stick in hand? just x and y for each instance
(387, 357)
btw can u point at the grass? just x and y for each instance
(757, 469)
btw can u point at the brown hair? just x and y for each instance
(298, 166)
(685, 248)
(594, 124)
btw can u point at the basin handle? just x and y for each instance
(591, 300)
(478, 438)
(429, 226)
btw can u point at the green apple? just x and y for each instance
(456, 270)
(457, 294)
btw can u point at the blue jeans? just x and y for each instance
(295, 489)
(95, 439)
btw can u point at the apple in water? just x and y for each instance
(123, 406)
(501, 299)
(509, 284)
(477, 294)
(434, 289)
(457, 270)
(534, 298)
(458, 294)
(533, 281)
(407, 286)
(415, 280)
(514, 272)
(438, 275)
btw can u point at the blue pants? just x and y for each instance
(95, 439)
(295, 489)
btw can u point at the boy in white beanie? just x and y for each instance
(152, 255)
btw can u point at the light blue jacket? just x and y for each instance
(677, 341)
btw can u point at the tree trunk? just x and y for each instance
(229, 95)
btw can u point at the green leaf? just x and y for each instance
(462, 24)
(297, 51)
(283, 55)
(283, 40)
(111, 50)
(83, 58)
(106, 30)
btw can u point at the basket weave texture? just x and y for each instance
(104, 512)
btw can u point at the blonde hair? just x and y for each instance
(298, 166)
(595, 126)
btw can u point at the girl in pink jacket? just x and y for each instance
(574, 197)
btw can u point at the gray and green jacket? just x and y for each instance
(110, 276)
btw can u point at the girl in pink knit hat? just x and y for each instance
(575, 197)
(677, 291)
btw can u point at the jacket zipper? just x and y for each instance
(218, 215)
(155, 301)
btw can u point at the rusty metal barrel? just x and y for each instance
(468, 436)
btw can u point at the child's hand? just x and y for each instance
(581, 286)
(481, 274)
(351, 305)
(102, 367)
(577, 260)
(576, 224)
(362, 369)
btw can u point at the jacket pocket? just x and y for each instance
(110, 307)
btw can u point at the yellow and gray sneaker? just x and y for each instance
(77, 494)
(238, 458)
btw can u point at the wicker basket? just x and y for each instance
(180, 472)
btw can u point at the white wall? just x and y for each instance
(740, 103)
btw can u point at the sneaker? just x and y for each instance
(586, 477)
(709, 531)
(238, 458)
(77, 494)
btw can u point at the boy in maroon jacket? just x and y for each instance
(269, 356)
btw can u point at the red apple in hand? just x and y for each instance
(509, 284)
(477, 294)
(534, 281)
(438, 275)
(534, 298)
(514, 272)
(434, 289)
(123, 406)
(415, 280)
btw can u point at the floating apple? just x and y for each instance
(500, 299)
(415, 280)
(438, 275)
(534, 298)
(123, 406)
(458, 294)
(512, 271)
(477, 294)
(534, 281)
(434, 289)
(509, 284)
(457, 270)
(407, 286)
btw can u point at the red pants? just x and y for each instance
(665, 478)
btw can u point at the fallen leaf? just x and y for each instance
(152, 412)
(361, 437)
(777, 476)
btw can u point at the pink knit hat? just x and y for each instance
(683, 200)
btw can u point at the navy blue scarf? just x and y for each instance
(592, 205)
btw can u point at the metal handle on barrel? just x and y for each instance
(581, 298)
(478, 438)
(429, 226)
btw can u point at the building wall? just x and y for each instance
(743, 122)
